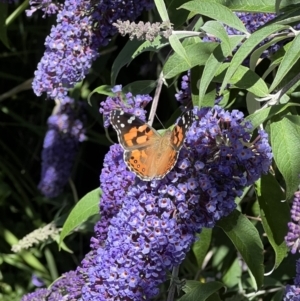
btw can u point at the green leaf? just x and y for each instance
(178, 48)
(256, 55)
(213, 63)
(201, 246)
(86, 207)
(196, 291)
(266, 6)
(3, 15)
(216, 29)
(198, 54)
(124, 57)
(246, 49)
(103, 90)
(214, 297)
(177, 16)
(158, 43)
(140, 87)
(290, 58)
(285, 141)
(275, 214)
(215, 11)
(252, 104)
(265, 114)
(162, 10)
(244, 78)
(233, 274)
(279, 296)
(277, 6)
(245, 238)
(289, 16)
(26, 256)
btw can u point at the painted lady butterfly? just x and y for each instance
(147, 153)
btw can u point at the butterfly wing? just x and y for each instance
(146, 153)
(133, 133)
(180, 129)
(138, 140)
(174, 142)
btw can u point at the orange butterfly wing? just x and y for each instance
(148, 154)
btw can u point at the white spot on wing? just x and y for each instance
(131, 119)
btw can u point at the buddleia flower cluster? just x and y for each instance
(252, 21)
(65, 132)
(147, 228)
(48, 7)
(72, 46)
(67, 287)
(156, 222)
(126, 102)
(115, 180)
(184, 94)
(292, 292)
(292, 238)
(115, 177)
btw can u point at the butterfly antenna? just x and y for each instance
(160, 121)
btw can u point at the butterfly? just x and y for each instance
(147, 153)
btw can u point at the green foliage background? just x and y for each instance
(243, 246)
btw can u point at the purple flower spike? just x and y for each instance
(156, 224)
(292, 238)
(292, 292)
(184, 95)
(128, 103)
(152, 232)
(67, 287)
(39, 295)
(72, 46)
(61, 142)
(47, 6)
(115, 180)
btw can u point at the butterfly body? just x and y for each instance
(147, 153)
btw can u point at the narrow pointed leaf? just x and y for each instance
(285, 141)
(291, 56)
(246, 49)
(201, 246)
(198, 54)
(140, 87)
(244, 78)
(3, 15)
(215, 11)
(124, 57)
(277, 6)
(275, 214)
(213, 63)
(256, 55)
(216, 29)
(265, 114)
(245, 238)
(178, 48)
(162, 10)
(196, 291)
(86, 207)
(266, 6)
